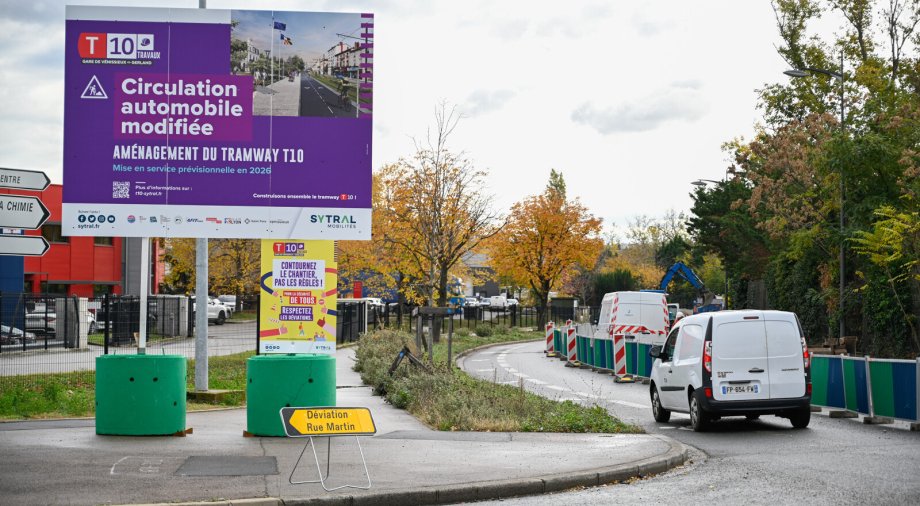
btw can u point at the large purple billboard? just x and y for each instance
(217, 123)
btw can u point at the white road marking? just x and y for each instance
(485, 370)
(480, 360)
(511, 370)
(536, 381)
(112, 471)
(631, 404)
(554, 387)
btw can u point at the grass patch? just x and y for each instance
(73, 394)
(62, 395)
(247, 315)
(336, 84)
(227, 372)
(449, 399)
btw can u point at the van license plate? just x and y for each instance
(740, 389)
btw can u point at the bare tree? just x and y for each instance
(437, 204)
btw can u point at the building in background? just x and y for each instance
(84, 266)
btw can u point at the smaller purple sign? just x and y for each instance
(289, 313)
(203, 107)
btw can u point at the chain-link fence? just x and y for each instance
(48, 334)
(45, 334)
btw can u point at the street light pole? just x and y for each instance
(842, 263)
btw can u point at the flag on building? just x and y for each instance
(280, 26)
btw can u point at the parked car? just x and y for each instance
(230, 302)
(217, 313)
(470, 302)
(228, 309)
(12, 335)
(512, 302)
(733, 363)
(46, 322)
(498, 302)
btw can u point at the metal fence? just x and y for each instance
(46, 334)
(394, 316)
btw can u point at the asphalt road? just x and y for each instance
(318, 100)
(833, 461)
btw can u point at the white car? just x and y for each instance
(230, 302)
(217, 313)
(228, 308)
(42, 322)
(12, 335)
(512, 302)
(471, 302)
(733, 363)
(498, 302)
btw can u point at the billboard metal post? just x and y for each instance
(201, 315)
(145, 279)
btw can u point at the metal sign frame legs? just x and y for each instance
(319, 470)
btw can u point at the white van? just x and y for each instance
(634, 314)
(498, 302)
(733, 363)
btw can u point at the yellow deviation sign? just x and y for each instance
(305, 422)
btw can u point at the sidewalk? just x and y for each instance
(279, 99)
(65, 462)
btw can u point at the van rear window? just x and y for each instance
(744, 339)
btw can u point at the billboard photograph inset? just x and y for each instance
(323, 57)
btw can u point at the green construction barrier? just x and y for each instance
(894, 388)
(643, 360)
(589, 351)
(609, 353)
(598, 358)
(557, 342)
(580, 349)
(277, 381)
(140, 395)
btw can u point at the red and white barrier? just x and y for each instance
(619, 355)
(571, 342)
(549, 337)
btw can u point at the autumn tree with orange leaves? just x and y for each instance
(545, 238)
(429, 211)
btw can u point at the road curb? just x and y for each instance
(675, 455)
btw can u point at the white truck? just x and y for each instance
(640, 317)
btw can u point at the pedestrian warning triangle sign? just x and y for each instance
(94, 89)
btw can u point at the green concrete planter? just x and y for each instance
(278, 381)
(140, 395)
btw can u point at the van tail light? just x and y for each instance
(707, 356)
(805, 355)
(708, 391)
(808, 388)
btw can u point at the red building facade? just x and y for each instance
(76, 265)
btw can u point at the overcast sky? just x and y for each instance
(630, 100)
